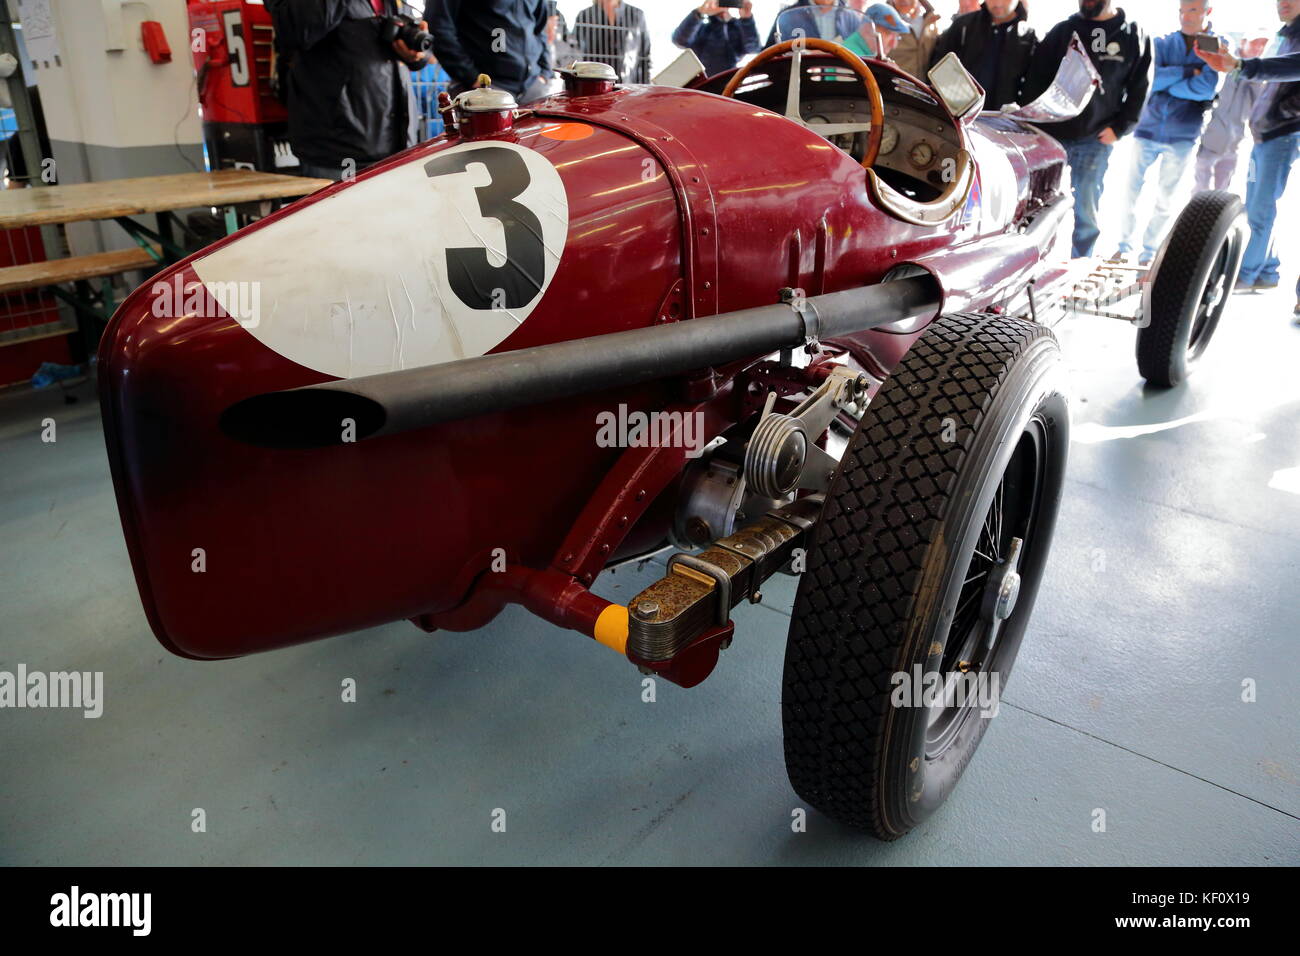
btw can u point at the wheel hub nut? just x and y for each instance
(1008, 592)
(1003, 589)
(1216, 293)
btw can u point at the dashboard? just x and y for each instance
(919, 144)
(916, 151)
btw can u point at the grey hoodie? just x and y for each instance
(1227, 125)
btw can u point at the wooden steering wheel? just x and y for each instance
(845, 56)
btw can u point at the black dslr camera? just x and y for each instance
(406, 30)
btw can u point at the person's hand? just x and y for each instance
(932, 18)
(407, 54)
(1253, 48)
(552, 24)
(1222, 61)
(709, 8)
(1107, 137)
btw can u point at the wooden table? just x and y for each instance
(115, 198)
(120, 199)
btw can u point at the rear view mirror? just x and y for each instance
(682, 72)
(959, 91)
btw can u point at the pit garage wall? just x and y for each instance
(114, 113)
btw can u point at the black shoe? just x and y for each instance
(1264, 285)
(1243, 286)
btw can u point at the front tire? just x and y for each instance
(961, 452)
(1190, 286)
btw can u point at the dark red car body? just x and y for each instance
(239, 549)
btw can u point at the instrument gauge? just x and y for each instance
(922, 155)
(888, 140)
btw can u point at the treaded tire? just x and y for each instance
(1190, 286)
(890, 555)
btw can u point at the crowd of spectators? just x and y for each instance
(1185, 97)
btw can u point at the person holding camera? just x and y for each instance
(824, 19)
(506, 39)
(1170, 126)
(1216, 157)
(345, 66)
(1275, 125)
(719, 33)
(1253, 65)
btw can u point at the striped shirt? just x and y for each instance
(623, 44)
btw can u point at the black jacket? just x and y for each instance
(1283, 116)
(718, 43)
(971, 37)
(1274, 69)
(349, 96)
(1121, 52)
(506, 39)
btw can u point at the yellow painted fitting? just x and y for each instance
(611, 627)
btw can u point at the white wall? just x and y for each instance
(119, 99)
(114, 114)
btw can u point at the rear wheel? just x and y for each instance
(926, 561)
(1190, 286)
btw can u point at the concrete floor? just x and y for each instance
(1172, 580)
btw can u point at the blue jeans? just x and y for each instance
(1173, 159)
(1088, 160)
(1270, 165)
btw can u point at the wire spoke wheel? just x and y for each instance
(972, 642)
(1216, 289)
(1190, 287)
(925, 563)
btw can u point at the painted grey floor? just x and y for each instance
(1173, 580)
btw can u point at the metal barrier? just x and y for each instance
(427, 84)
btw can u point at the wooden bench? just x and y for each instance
(31, 333)
(35, 275)
(51, 272)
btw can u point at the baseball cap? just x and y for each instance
(883, 15)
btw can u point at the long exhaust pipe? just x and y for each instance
(392, 402)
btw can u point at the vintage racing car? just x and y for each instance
(827, 283)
